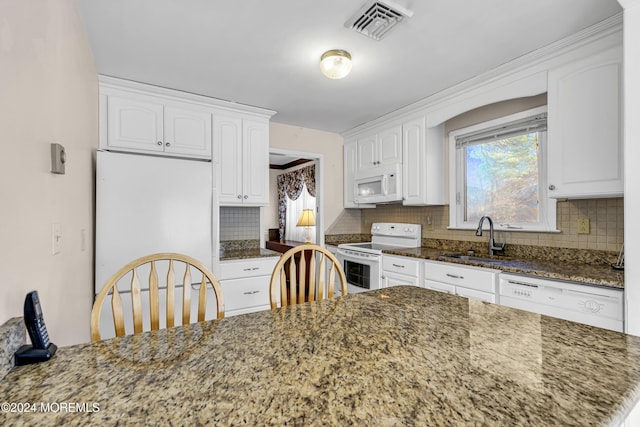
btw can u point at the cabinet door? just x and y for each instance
(187, 131)
(228, 159)
(390, 146)
(367, 152)
(350, 165)
(584, 127)
(413, 163)
(477, 295)
(134, 124)
(391, 279)
(255, 175)
(423, 164)
(439, 286)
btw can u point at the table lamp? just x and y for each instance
(307, 220)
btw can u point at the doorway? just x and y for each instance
(290, 157)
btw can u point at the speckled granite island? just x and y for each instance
(396, 356)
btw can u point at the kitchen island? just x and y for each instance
(396, 356)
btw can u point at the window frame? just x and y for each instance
(547, 206)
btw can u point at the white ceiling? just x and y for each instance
(266, 52)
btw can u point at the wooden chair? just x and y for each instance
(149, 263)
(301, 275)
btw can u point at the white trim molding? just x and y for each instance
(524, 76)
(628, 4)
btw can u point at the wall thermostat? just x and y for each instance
(58, 158)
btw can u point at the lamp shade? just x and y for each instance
(335, 64)
(307, 218)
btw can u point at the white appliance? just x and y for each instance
(382, 184)
(362, 262)
(595, 306)
(147, 204)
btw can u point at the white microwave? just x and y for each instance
(382, 184)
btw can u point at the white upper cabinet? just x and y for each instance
(134, 123)
(147, 119)
(148, 124)
(241, 152)
(187, 130)
(350, 166)
(423, 163)
(382, 148)
(584, 127)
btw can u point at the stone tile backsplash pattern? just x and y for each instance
(606, 225)
(239, 223)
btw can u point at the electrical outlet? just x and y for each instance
(583, 226)
(429, 224)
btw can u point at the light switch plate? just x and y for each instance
(583, 226)
(56, 238)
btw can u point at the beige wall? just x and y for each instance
(48, 93)
(329, 145)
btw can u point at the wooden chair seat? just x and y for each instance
(305, 273)
(173, 262)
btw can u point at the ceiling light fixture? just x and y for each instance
(335, 63)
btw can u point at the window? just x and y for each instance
(294, 209)
(498, 169)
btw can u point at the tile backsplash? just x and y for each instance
(241, 223)
(606, 217)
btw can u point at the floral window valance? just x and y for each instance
(291, 184)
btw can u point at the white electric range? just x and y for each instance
(362, 262)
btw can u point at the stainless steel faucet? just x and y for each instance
(492, 244)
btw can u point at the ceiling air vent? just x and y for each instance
(376, 19)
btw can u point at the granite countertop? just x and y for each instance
(233, 254)
(591, 274)
(397, 356)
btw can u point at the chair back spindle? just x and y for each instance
(301, 276)
(206, 279)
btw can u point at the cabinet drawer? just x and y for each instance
(402, 265)
(245, 293)
(238, 269)
(480, 279)
(441, 287)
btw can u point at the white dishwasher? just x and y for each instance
(591, 305)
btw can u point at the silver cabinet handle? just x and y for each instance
(455, 276)
(251, 292)
(246, 197)
(159, 142)
(252, 269)
(239, 196)
(168, 144)
(398, 265)
(552, 187)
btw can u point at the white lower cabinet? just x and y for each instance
(465, 281)
(245, 284)
(399, 270)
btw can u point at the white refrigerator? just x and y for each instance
(147, 204)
